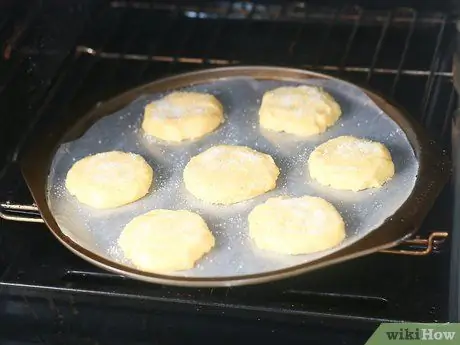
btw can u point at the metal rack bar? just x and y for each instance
(325, 37)
(351, 38)
(428, 245)
(433, 67)
(225, 62)
(297, 35)
(437, 89)
(275, 24)
(404, 53)
(180, 46)
(126, 45)
(248, 20)
(20, 213)
(154, 47)
(435, 94)
(450, 110)
(379, 45)
(213, 40)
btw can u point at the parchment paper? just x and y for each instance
(234, 253)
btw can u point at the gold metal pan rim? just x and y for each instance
(434, 172)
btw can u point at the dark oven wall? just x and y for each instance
(59, 55)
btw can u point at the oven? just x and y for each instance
(57, 57)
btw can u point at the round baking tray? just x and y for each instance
(432, 175)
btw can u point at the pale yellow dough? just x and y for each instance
(110, 179)
(296, 226)
(302, 110)
(165, 240)
(350, 163)
(227, 174)
(183, 116)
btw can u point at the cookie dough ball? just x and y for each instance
(296, 226)
(165, 240)
(350, 163)
(182, 116)
(302, 110)
(227, 174)
(109, 179)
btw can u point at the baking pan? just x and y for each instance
(432, 174)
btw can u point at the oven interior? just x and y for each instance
(58, 57)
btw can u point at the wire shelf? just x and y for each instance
(402, 53)
(356, 43)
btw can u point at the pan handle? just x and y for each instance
(20, 213)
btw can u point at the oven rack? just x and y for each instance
(118, 43)
(416, 246)
(435, 75)
(246, 13)
(65, 285)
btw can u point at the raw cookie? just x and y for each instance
(226, 174)
(296, 225)
(350, 163)
(166, 240)
(182, 116)
(109, 179)
(302, 110)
